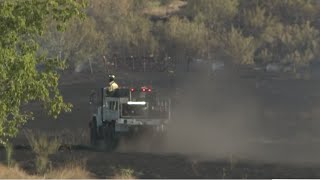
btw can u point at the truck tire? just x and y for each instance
(109, 136)
(93, 131)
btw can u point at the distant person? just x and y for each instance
(113, 86)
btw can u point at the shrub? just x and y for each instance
(42, 146)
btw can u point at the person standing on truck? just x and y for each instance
(112, 85)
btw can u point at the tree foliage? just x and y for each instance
(285, 31)
(248, 32)
(240, 48)
(189, 36)
(80, 43)
(26, 75)
(113, 28)
(215, 13)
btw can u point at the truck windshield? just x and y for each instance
(143, 111)
(134, 110)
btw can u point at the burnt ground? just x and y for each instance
(288, 109)
(145, 165)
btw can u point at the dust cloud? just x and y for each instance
(213, 120)
(217, 118)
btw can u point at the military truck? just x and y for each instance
(128, 112)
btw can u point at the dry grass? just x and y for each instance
(13, 173)
(41, 143)
(74, 170)
(43, 146)
(124, 173)
(74, 137)
(69, 137)
(70, 171)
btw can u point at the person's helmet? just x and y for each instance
(111, 77)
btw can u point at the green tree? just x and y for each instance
(185, 39)
(283, 31)
(126, 30)
(241, 49)
(248, 32)
(131, 36)
(288, 11)
(79, 44)
(256, 20)
(294, 45)
(26, 75)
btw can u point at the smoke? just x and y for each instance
(224, 116)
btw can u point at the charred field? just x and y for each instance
(221, 151)
(147, 165)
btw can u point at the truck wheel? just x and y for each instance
(109, 136)
(93, 131)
